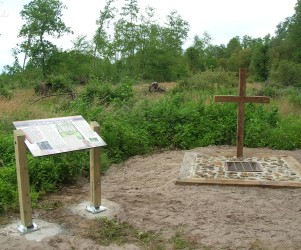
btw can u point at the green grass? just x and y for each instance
(180, 241)
(107, 232)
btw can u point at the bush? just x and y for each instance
(6, 86)
(269, 89)
(5, 92)
(174, 122)
(125, 139)
(286, 135)
(8, 189)
(105, 93)
(210, 79)
(287, 73)
(259, 123)
(295, 97)
(7, 149)
(54, 84)
(95, 91)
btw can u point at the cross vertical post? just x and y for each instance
(241, 99)
(95, 179)
(241, 113)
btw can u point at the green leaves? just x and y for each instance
(139, 46)
(42, 18)
(288, 73)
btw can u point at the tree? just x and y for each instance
(233, 46)
(101, 39)
(294, 32)
(202, 55)
(282, 29)
(128, 31)
(173, 36)
(284, 48)
(158, 51)
(42, 19)
(15, 69)
(148, 44)
(193, 57)
(176, 31)
(82, 46)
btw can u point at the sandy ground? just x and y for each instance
(219, 217)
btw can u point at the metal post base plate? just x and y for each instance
(24, 230)
(95, 210)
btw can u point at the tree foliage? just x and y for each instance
(42, 19)
(132, 43)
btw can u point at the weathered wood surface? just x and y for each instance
(23, 179)
(95, 181)
(241, 99)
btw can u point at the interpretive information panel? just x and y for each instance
(58, 135)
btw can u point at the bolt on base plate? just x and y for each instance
(24, 230)
(95, 210)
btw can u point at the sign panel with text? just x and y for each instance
(58, 135)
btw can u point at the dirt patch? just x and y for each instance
(214, 216)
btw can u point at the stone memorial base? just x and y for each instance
(277, 171)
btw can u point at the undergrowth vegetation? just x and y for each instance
(137, 122)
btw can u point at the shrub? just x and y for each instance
(54, 84)
(269, 89)
(95, 91)
(8, 189)
(287, 73)
(7, 148)
(295, 97)
(5, 92)
(210, 79)
(174, 122)
(286, 135)
(124, 137)
(259, 122)
(105, 93)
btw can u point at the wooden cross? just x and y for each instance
(241, 99)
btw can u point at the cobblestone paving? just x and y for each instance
(273, 169)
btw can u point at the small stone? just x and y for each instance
(269, 177)
(218, 163)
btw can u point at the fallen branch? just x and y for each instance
(73, 95)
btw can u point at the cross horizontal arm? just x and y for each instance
(242, 99)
